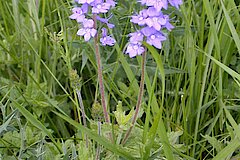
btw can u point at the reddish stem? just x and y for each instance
(100, 77)
(140, 95)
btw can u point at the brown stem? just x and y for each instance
(100, 76)
(140, 95)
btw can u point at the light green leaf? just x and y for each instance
(121, 118)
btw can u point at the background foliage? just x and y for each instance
(192, 86)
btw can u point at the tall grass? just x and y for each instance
(190, 107)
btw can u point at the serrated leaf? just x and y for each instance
(121, 118)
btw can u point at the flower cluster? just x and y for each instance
(152, 21)
(85, 10)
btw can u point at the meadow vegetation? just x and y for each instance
(191, 100)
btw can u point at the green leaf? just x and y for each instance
(225, 68)
(34, 121)
(102, 140)
(158, 125)
(228, 150)
(231, 27)
(121, 118)
(214, 142)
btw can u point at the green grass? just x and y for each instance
(191, 102)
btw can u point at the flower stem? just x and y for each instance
(140, 96)
(98, 146)
(100, 76)
(83, 113)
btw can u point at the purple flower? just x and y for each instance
(152, 12)
(168, 25)
(87, 33)
(147, 31)
(88, 23)
(136, 37)
(77, 14)
(88, 8)
(111, 3)
(143, 1)
(104, 20)
(156, 40)
(134, 49)
(140, 18)
(153, 21)
(98, 6)
(85, 1)
(175, 3)
(106, 40)
(159, 4)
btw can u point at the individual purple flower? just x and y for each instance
(152, 12)
(88, 23)
(159, 4)
(147, 31)
(168, 25)
(154, 22)
(136, 37)
(111, 3)
(85, 1)
(87, 33)
(104, 20)
(134, 49)
(140, 18)
(77, 14)
(106, 40)
(175, 3)
(156, 40)
(98, 6)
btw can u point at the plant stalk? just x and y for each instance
(98, 147)
(100, 76)
(83, 113)
(140, 96)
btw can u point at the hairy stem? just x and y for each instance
(83, 112)
(98, 146)
(139, 101)
(100, 76)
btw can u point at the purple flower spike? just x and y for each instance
(153, 22)
(93, 8)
